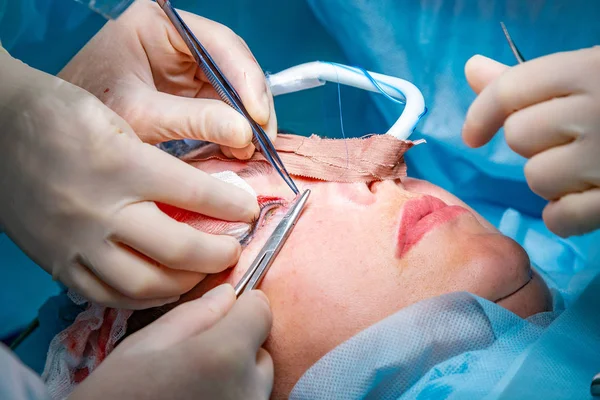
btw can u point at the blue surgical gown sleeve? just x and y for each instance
(17, 382)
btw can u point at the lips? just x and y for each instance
(419, 216)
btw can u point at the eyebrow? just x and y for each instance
(255, 169)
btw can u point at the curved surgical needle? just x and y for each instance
(513, 46)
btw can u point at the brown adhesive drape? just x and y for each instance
(367, 159)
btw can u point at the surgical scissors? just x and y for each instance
(513, 46)
(265, 258)
(225, 90)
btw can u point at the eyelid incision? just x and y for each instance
(267, 209)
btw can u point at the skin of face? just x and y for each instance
(358, 255)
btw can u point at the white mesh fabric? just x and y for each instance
(234, 179)
(76, 351)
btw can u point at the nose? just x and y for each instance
(393, 188)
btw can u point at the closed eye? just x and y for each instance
(267, 209)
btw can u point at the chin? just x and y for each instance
(531, 299)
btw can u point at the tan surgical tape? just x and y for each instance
(366, 159)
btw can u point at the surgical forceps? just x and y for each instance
(225, 90)
(513, 46)
(265, 258)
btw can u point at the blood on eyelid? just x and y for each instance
(194, 219)
(262, 200)
(208, 224)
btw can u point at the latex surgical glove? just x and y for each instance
(550, 110)
(140, 67)
(79, 191)
(209, 348)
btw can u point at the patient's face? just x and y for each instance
(361, 252)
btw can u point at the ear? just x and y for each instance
(481, 71)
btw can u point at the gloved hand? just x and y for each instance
(78, 193)
(140, 67)
(550, 109)
(209, 348)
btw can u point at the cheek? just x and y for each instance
(341, 258)
(459, 259)
(328, 284)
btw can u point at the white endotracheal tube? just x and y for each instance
(317, 73)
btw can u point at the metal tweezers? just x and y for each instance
(225, 90)
(513, 46)
(265, 258)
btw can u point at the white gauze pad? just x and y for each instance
(234, 179)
